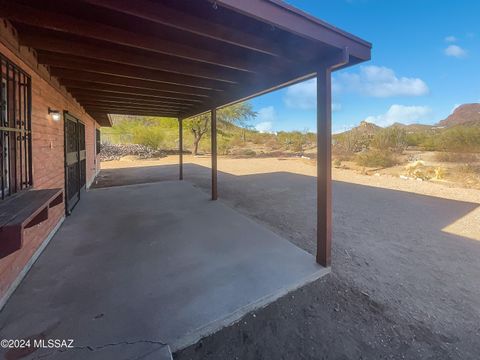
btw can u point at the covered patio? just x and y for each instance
(181, 59)
(161, 265)
(165, 266)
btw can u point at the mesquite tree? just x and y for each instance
(237, 114)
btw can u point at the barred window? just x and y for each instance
(15, 129)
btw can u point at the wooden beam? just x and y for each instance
(213, 129)
(324, 167)
(125, 107)
(58, 60)
(68, 74)
(76, 26)
(158, 13)
(286, 17)
(128, 106)
(122, 96)
(245, 93)
(93, 100)
(180, 149)
(130, 112)
(264, 85)
(126, 90)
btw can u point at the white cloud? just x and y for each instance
(379, 81)
(450, 39)
(401, 113)
(455, 51)
(266, 116)
(302, 95)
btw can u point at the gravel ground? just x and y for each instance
(406, 275)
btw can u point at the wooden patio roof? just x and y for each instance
(176, 58)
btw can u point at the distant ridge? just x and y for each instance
(466, 114)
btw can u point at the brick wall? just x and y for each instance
(47, 146)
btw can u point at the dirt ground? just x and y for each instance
(406, 277)
(456, 173)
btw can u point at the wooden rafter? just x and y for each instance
(58, 44)
(158, 13)
(70, 84)
(68, 74)
(75, 26)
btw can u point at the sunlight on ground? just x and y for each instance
(467, 226)
(236, 167)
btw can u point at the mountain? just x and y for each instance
(366, 128)
(466, 114)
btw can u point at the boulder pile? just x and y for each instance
(111, 152)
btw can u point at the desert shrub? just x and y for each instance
(292, 140)
(351, 142)
(445, 156)
(244, 153)
(260, 138)
(272, 143)
(418, 138)
(460, 139)
(376, 158)
(429, 143)
(224, 145)
(337, 163)
(148, 136)
(418, 170)
(393, 138)
(340, 153)
(440, 173)
(249, 152)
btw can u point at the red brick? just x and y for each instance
(48, 149)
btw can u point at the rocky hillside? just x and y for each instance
(466, 114)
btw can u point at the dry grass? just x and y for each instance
(456, 157)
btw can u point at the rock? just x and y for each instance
(128, 152)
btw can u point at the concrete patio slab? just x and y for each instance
(142, 266)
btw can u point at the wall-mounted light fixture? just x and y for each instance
(55, 114)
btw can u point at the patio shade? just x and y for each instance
(176, 58)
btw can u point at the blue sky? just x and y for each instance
(425, 61)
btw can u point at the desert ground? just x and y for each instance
(405, 279)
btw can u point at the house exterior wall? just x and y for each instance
(47, 151)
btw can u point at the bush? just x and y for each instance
(351, 142)
(376, 158)
(244, 153)
(418, 170)
(393, 139)
(224, 146)
(292, 140)
(148, 136)
(460, 139)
